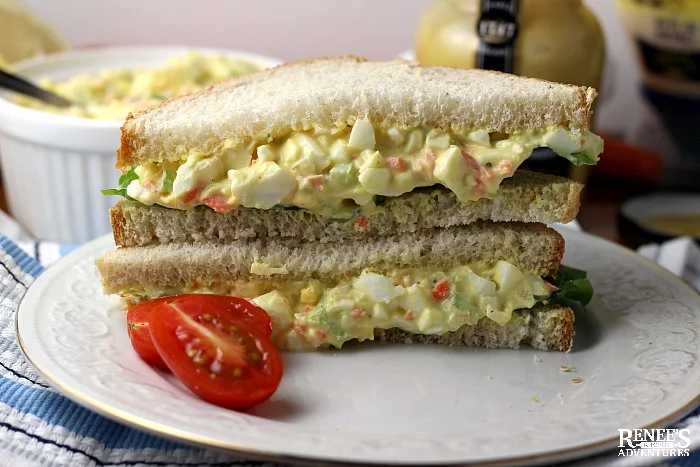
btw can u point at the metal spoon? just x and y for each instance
(22, 86)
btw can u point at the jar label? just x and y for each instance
(669, 63)
(497, 29)
(666, 34)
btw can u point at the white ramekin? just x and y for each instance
(53, 166)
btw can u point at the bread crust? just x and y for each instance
(330, 91)
(119, 225)
(564, 341)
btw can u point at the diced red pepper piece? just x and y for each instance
(362, 222)
(318, 182)
(425, 162)
(397, 164)
(218, 202)
(191, 195)
(441, 290)
(358, 313)
(471, 162)
(506, 167)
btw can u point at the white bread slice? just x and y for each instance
(534, 248)
(338, 91)
(544, 327)
(525, 197)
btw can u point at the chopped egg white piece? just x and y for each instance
(362, 135)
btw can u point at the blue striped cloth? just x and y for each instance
(39, 427)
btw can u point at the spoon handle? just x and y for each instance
(17, 84)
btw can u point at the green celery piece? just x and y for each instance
(168, 181)
(579, 158)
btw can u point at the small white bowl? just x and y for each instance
(54, 166)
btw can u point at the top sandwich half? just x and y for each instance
(333, 137)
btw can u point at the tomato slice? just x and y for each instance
(217, 355)
(138, 319)
(243, 309)
(139, 333)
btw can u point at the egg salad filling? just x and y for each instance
(111, 94)
(336, 172)
(310, 314)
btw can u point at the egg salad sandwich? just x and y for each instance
(355, 199)
(331, 148)
(480, 284)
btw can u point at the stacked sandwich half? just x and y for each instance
(357, 200)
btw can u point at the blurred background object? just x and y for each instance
(111, 93)
(558, 41)
(25, 35)
(665, 36)
(55, 162)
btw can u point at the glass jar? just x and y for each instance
(556, 40)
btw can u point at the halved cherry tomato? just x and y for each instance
(243, 309)
(138, 317)
(139, 334)
(218, 356)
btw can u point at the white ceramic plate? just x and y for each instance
(636, 350)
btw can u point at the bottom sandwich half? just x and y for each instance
(484, 284)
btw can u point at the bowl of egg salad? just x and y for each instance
(54, 161)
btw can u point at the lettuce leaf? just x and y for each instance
(575, 290)
(124, 181)
(580, 158)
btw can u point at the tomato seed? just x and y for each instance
(181, 333)
(237, 372)
(200, 359)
